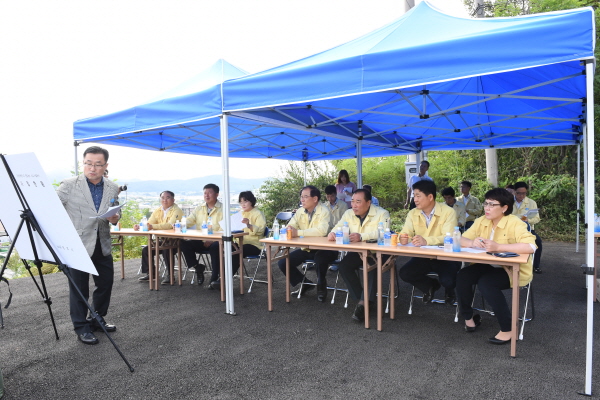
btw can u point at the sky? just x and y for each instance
(65, 60)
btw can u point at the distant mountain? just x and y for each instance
(191, 186)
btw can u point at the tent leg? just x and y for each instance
(76, 169)
(578, 196)
(228, 278)
(359, 178)
(589, 212)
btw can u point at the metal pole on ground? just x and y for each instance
(229, 306)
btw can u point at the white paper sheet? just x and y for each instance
(236, 222)
(110, 212)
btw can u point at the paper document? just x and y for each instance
(531, 212)
(236, 222)
(110, 212)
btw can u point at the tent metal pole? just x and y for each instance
(229, 306)
(359, 180)
(304, 174)
(589, 212)
(76, 169)
(578, 196)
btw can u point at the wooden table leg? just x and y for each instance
(287, 280)
(379, 293)
(269, 279)
(150, 263)
(515, 311)
(156, 262)
(366, 287)
(241, 267)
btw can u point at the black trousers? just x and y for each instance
(145, 261)
(349, 268)
(491, 282)
(101, 295)
(416, 269)
(249, 250)
(537, 257)
(189, 248)
(468, 225)
(412, 204)
(297, 257)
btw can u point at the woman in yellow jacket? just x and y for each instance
(255, 227)
(498, 230)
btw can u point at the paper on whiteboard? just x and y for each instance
(48, 211)
(236, 222)
(110, 212)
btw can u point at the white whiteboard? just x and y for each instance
(48, 211)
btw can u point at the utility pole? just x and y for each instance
(491, 156)
(408, 4)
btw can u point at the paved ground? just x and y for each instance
(182, 345)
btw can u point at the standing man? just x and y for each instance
(427, 225)
(473, 207)
(85, 197)
(336, 207)
(527, 210)
(312, 219)
(459, 207)
(164, 217)
(212, 208)
(423, 168)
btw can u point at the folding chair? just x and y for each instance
(284, 217)
(438, 301)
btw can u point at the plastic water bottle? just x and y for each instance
(448, 243)
(339, 236)
(596, 223)
(456, 240)
(283, 233)
(204, 228)
(346, 233)
(380, 233)
(209, 226)
(276, 230)
(184, 225)
(177, 227)
(144, 224)
(387, 237)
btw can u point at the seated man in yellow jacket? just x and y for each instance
(524, 208)
(363, 220)
(312, 219)
(164, 217)
(210, 208)
(427, 224)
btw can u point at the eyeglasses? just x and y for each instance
(490, 205)
(90, 165)
(521, 193)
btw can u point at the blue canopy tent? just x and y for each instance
(427, 81)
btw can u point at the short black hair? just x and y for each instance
(96, 150)
(167, 192)
(503, 197)
(448, 192)
(330, 189)
(368, 187)
(467, 183)
(509, 187)
(426, 162)
(212, 186)
(367, 194)
(426, 186)
(248, 196)
(314, 192)
(519, 185)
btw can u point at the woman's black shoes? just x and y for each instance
(493, 340)
(477, 320)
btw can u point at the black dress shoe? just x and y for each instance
(537, 270)
(477, 320)
(200, 273)
(96, 327)
(322, 291)
(359, 313)
(144, 277)
(305, 288)
(450, 297)
(216, 285)
(493, 340)
(428, 295)
(88, 338)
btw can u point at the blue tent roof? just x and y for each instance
(427, 81)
